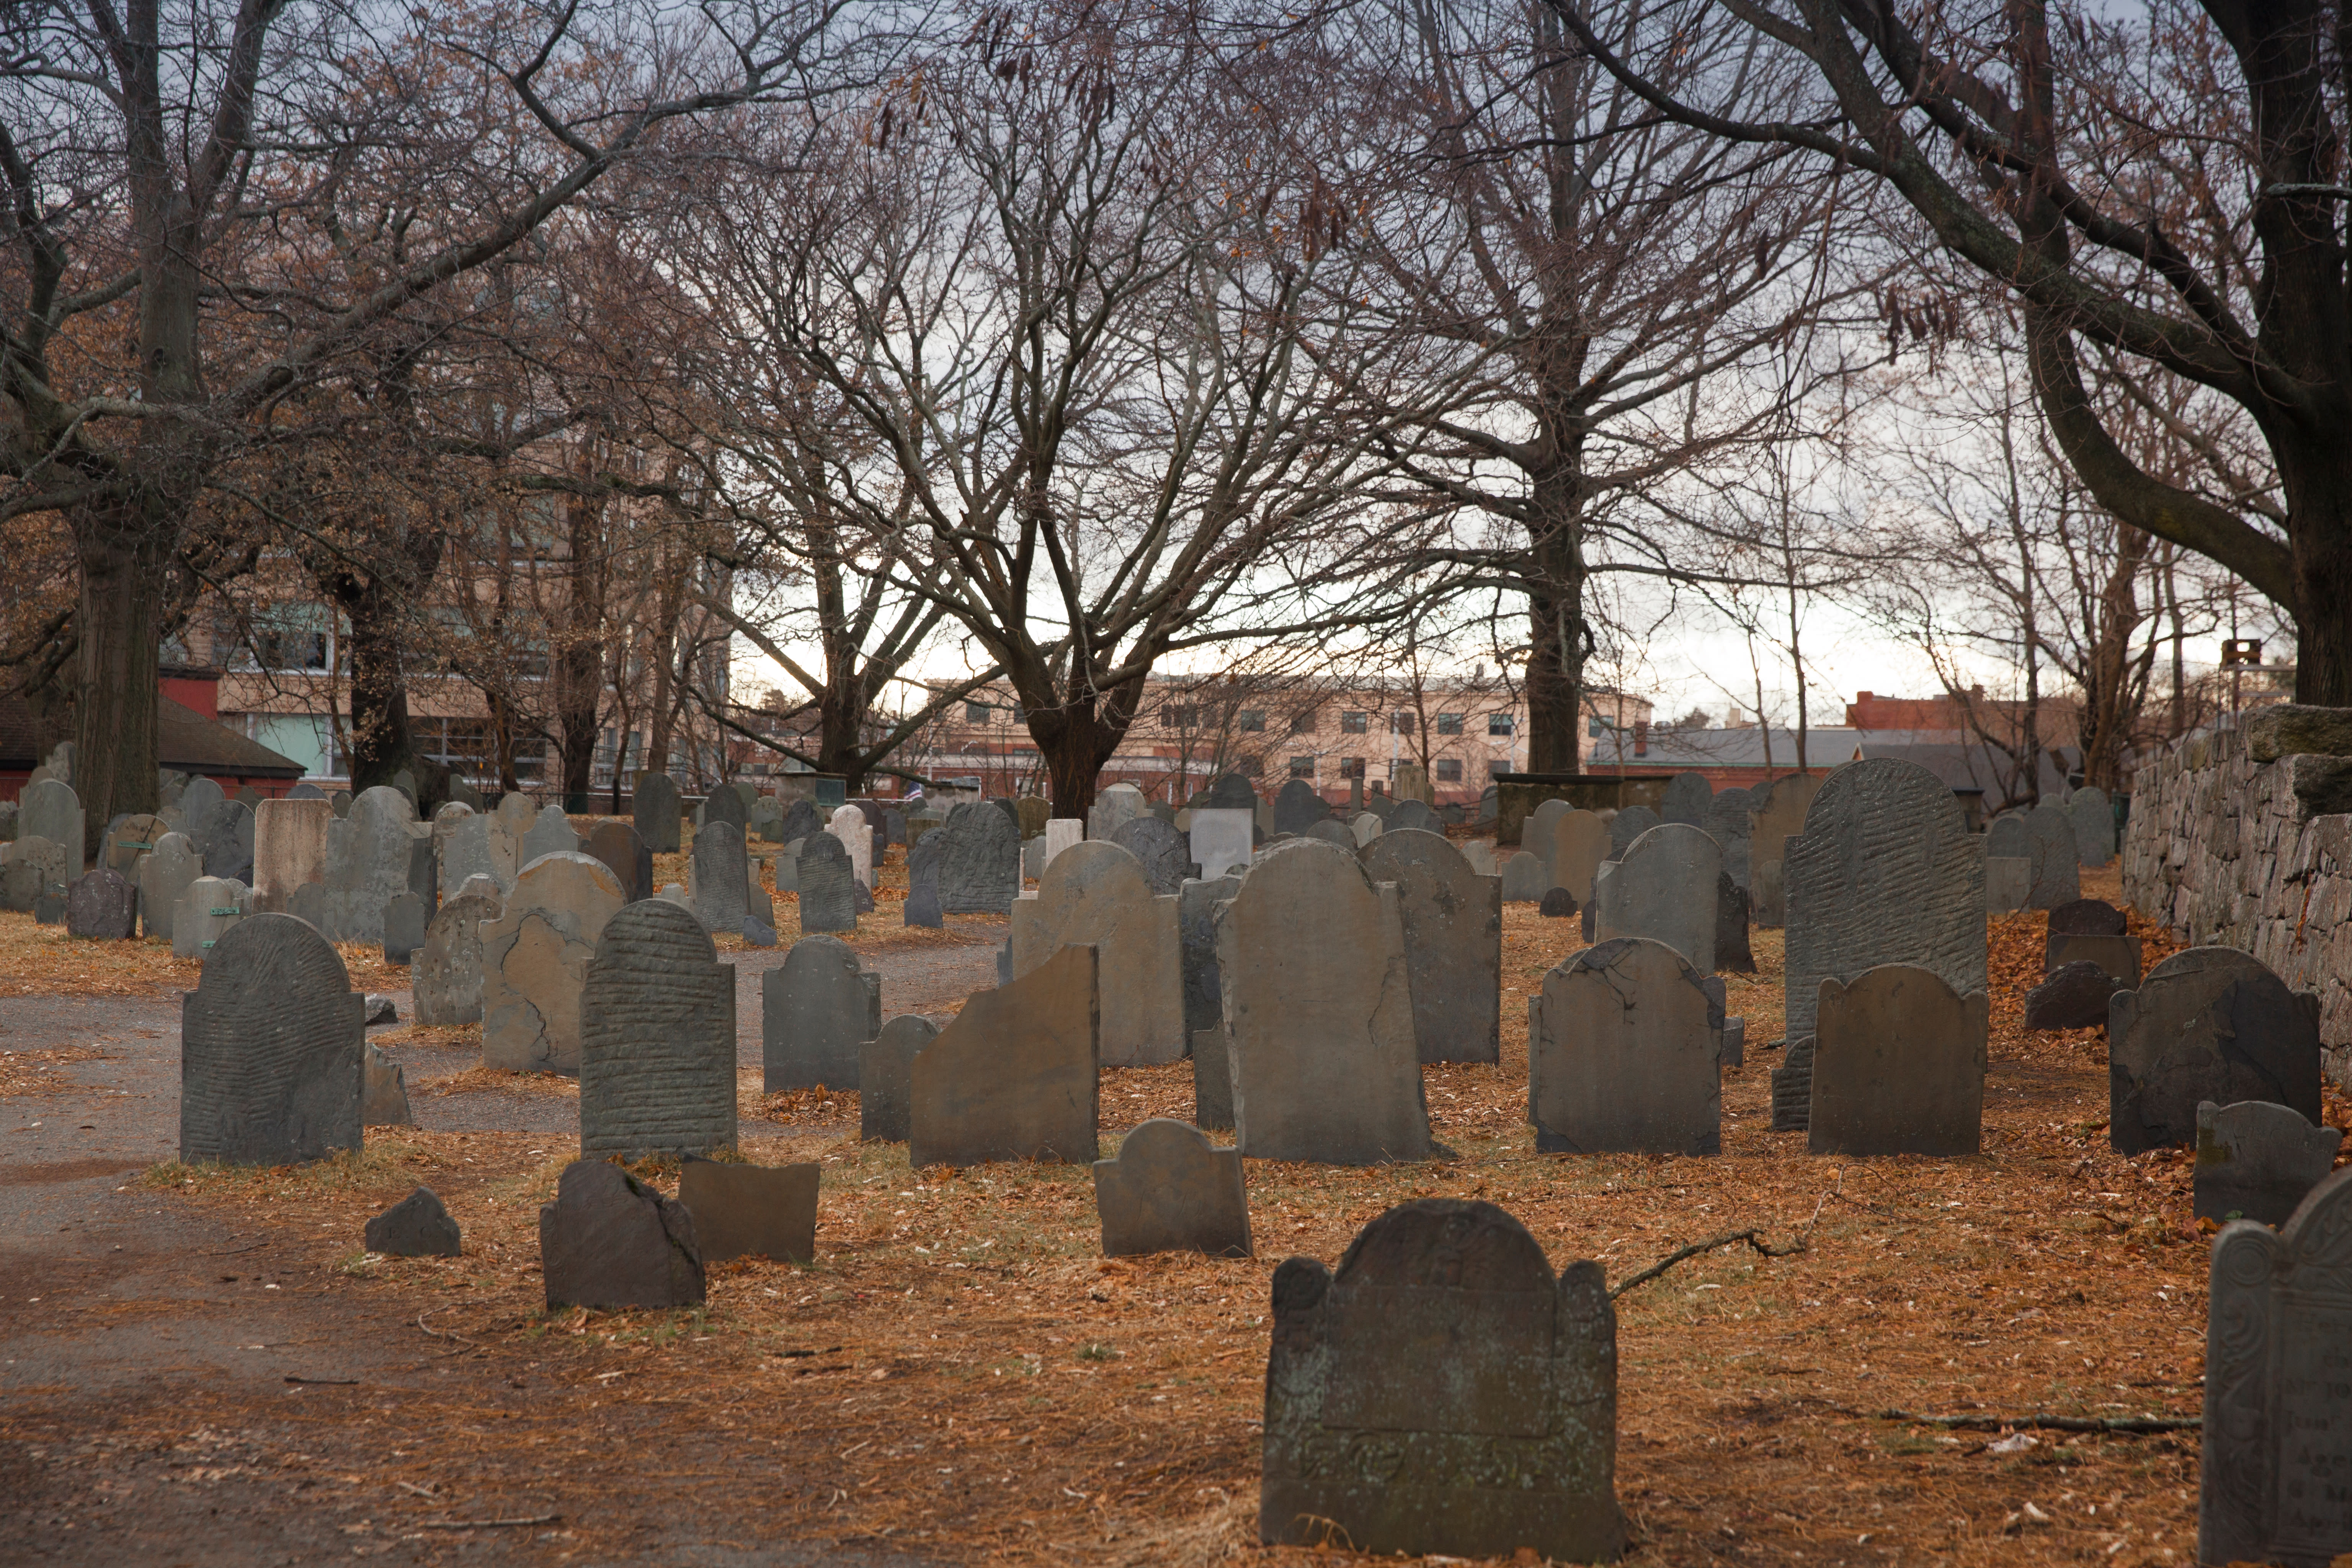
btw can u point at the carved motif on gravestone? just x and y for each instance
(535, 959)
(1095, 895)
(1898, 1065)
(657, 1038)
(980, 872)
(1453, 944)
(816, 1008)
(1171, 1190)
(2208, 1023)
(886, 1076)
(1016, 1075)
(272, 1049)
(1623, 1054)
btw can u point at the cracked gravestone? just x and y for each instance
(1624, 1042)
(1453, 944)
(886, 1076)
(1016, 1075)
(610, 1241)
(1097, 895)
(2208, 1023)
(535, 959)
(816, 1009)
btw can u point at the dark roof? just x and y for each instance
(1963, 765)
(184, 740)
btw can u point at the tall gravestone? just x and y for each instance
(1728, 822)
(368, 856)
(2093, 818)
(1453, 944)
(535, 959)
(1777, 815)
(1113, 809)
(1885, 872)
(1016, 1075)
(980, 866)
(50, 809)
(1535, 832)
(817, 1008)
(445, 973)
(886, 1076)
(828, 885)
(1898, 1065)
(1167, 859)
(163, 879)
(922, 905)
(623, 852)
(656, 809)
(2208, 1023)
(1096, 895)
(1623, 1046)
(724, 805)
(272, 1049)
(657, 1038)
(2057, 866)
(1171, 1190)
(1318, 1013)
(1579, 843)
(289, 848)
(1197, 907)
(1664, 887)
(1689, 798)
(718, 877)
(1442, 1394)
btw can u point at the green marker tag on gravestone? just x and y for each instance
(231, 909)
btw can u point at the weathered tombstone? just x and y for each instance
(625, 854)
(1213, 1082)
(724, 805)
(1096, 895)
(419, 1225)
(129, 840)
(1689, 797)
(1777, 815)
(223, 836)
(200, 795)
(980, 868)
(2072, 996)
(1171, 1190)
(446, 970)
(657, 1038)
(102, 905)
(1016, 1075)
(305, 791)
(271, 1049)
(1167, 858)
(1623, 1046)
(1298, 808)
(2115, 955)
(289, 848)
(2278, 1400)
(49, 905)
(1442, 1393)
(1453, 944)
(461, 838)
(1231, 792)
(1061, 832)
(817, 1008)
(164, 877)
(2050, 846)
(857, 835)
(1197, 907)
(608, 1241)
(1664, 887)
(894, 826)
(551, 832)
(1728, 822)
(751, 1211)
(655, 809)
(50, 809)
(341, 801)
(308, 903)
(1114, 808)
(535, 959)
(719, 878)
(1414, 815)
(405, 783)
(1222, 840)
(1885, 871)
(922, 906)
(514, 819)
(828, 885)
(1366, 826)
(1318, 1004)
(1630, 823)
(1535, 832)
(1031, 811)
(801, 819)
(2008, 882)
(1579, 843)
(886, 1076)
(2208, 1023)
(1898, 1065)
(2093, 818)
(1033, 859)
(1525, 878)
(403, 927)
(2258, 1160)
(205, 913)
(383, 1094)
(369, 857)
(1559, 904)
(1332, 831)
(2088, 917)
(1732, 955)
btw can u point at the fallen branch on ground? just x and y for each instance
(487, 1524)
(2117, 1424)
(1753, 1237)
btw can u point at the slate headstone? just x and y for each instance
(1415, 815)
(922, 906)
(2115, 955)
(1332, 831)
(1197, 908)
(1630, 823)
(657, 1038)
(205, 914)
(1732, 953)
(624, 853)
(2072, 996)
(1032, 812)
(1579, 843)
(1777, 815)
(828, 885)
(447, 968)
(2093, 818)
(724, 805)
(223, 836)
(1559, 904)
(2088, 917)
(980, 868)
(1096, 895)
(1535, 832)
(656, 812)
(1167, 859)
(1792, 1087)
(719, 878)
(535, 959)
(306, 790)
(1624, 1044)
(419, 1225)
(817, 1008)
(1016, 1075)
(404, 929)
(857, 835)
(751, 1211)
(1453, 944)
(341, 802)
(198, 797)
(893, 828)
(1898, 1065)
(2208, 1023)
(2258, 1160)
(2057, 868)
(1525, 878)
(164, 877)
(368, 864)
(2008, 882)
(102, 905)
(609, 1241)
(50, 809)
(1231, 792)
(1689, 798)
(1664, 887)
(801, 819)
(272, 1049)
(1171, 1190)
(1728, 822)
(1212, 1081)
(886, 1077)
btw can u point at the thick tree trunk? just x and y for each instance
(124, 556)
(1075, 737)
(2317, 476)
(1558, 639)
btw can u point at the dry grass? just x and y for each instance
(43, 961)
(500, 1080)
(35, 1072)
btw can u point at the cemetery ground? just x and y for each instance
(201, 1366)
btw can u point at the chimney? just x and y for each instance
(1640, 737)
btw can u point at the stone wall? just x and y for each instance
(2242, 837)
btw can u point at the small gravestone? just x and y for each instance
(535, 959)
(2209, 1023)
(719, 878)
(1031, 811)
(857, 835)
(2258, 1160)
(1792, 1087)
(724, 805)
(1033, 859)
(403, 927)
(1728, 822)
(751, 1211)
(800, 820)
(1689, 797)
(1332, 832)
(205, 914)
(1221, 840)
(656, 812)
(129, 840)
(610, 1241)
(1415, 814)
(551, 832)
(1624, 1044)
(1365, 827)
(163, 879)
(886, 1076)
(289, 848)
(922, 906)
(223, 836)
(461, 838)
(2057, 868)
(33, 865)
(1167, 859)
(1559, 904)
(1096, 895)
(306, 790)
(272, 1049)
(1171, 1190)
(1526, 878)
(341, 802)
(50, 809)
(657, 1038)
(828, 885)
(1113, 809)
(1898, 1065)
(2278, 1410)
(980, 866)
(1629, 824)
(1453, 944)
(1579, 845)
(623, 852)
(447, 967)
(2088, 917)
(1734, 1042)
(1665, 889)
(1732, 954)
(1212, 1081)
(2093, 819)
(199, 796)
(2008, 882)
(816, 1009)
(102, 905)
(1016, 1075)
(1442, 1393)
(2072, 996)
(419, 1225)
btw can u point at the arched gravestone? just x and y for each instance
(1580, 841)
(2094, 816)
(857, 835)
(2057, 867)
(624, 853)
(980, 868)
(535, 961)
(1230, 792)
(1096, 895)
(800, 820)
(1297, 807)
(1623, 1046)
(723, 804)
(1032, 812)
(718, 877)
(1728, 824)
(164, 877)
(1166, 859)
(1898, 1065)
(1689, 797)
(461, 841)
(1016, 1075)
(1526, 878)
(828, 885)
(2208, 1023)
(272, 1049)
(1331, 831)
(1453, 944)
(1664, 887)
(1885, 872)
(1629, 824)
(1171, 1190)
(446, 972)
(1415, 815)
(1439, 1359)
(50, 809)
(223, 836)
(886, 1076)
(513, 818)
(102, 905)
(1365, 827)
(198, 798)
(657, 1038)
(816, 1009)
(1113, 809)
(1318, 1005)
(367, 863)
(129, 840)
(2258, 1160)
(1535, 832)
(1777, 813)
(289, 848)
(306, 791)
(655, 810)
(2278, 1421)
(551, 832)
(205, 912)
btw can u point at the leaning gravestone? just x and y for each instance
(446, 970)
(1222, 840)
(164, 877)
(719, 878)
(922, 905)
(2278, 1415)
(205, 914)
(657, 1038)
(2057, 867)
(980, 866)
(535, 959)
(2093, 818)
(2208, 1023)
(129, 840)
(419, 1225)
(50, 809)
(1453, 944)
(1777, 815)
(1898, 1065)
(272, 1049)
(1525, 878)
(403, 927)
(368, 858)
(551, 832)
(1579, 843)
(1689, 799)
(1317, 1002)
(1442, 1393)
(1624, 1043)
(1017, 1074)
(1728, 822)
(1114, 809)
(1096, 895)
(1171, 1190)
(608, 1241)
(625, 855)
(886, 1076)
(828, 885)
(751, 1211)
(656, 809)
(102, 905)
(1885, 872)
(2257, 1161)
(289, 848)
(1167, 860)
(1629, 824)
(816, 1009)
(1664, 887)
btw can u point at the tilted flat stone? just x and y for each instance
(164, 875)
(751, 1211)
(657, 1038)
(2115, 955)
(656, 812)
(610, 1241)
(1453, 944)
(1898, 1065)
(1623, 1048)
(980, 868)
(1096, 895)
(419, 1225)
(816, 1009)
(624, 853)
(272, 1049)
(1171, 1190)
(289, 848)
(2072, 996)
(828, 885)
(1689, 798)
(1016, 1075)
(535, 959)
(1777, 813)
(886, 1076)
(1664, 889)
(1167, 859)
(446, 970)
(2258, 1160)
(1442, 1394)
(102, 905)
(2208, 1023)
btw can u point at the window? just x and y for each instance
(1449, 723)
(1250, 719)
(1302, 767)
(1351, 723)
(1303, 723)
(1179, 715)
(1351, 767)
(975, 713)
(1498, 766)
(1449, 770)
(1501, 724)
(1019, 714)
(1249, 765)
(1401, 721)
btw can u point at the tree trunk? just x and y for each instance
(1559, 640)
(382, 741)
(124, 556)
(2317, 475)
(577, 664)
(1075, 737)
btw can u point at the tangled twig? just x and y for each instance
(2125, 1425)
(1753, 1237)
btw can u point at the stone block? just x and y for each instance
(1580, 844)
(609, 1241)
(2288, 729)
(1171, 1190)
(751, 1211)
(1014, 1076)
